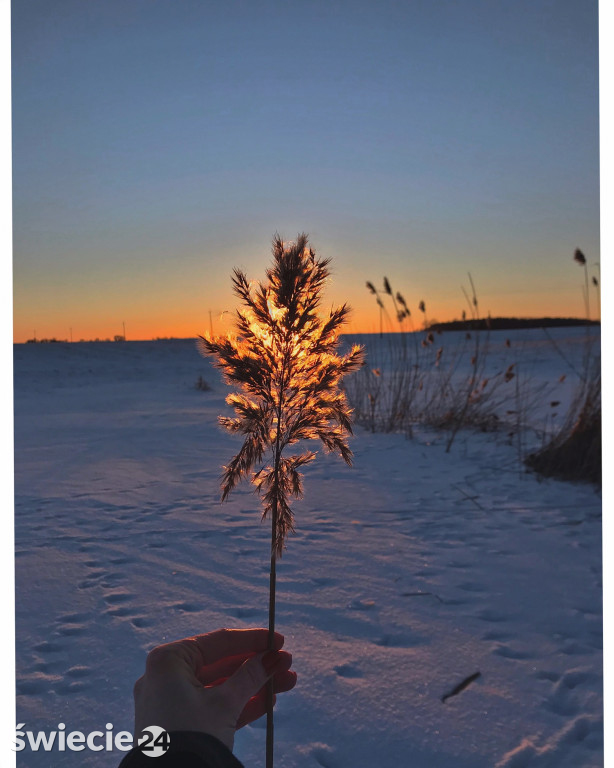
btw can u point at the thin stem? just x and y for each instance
(270, 692)
(474, 375)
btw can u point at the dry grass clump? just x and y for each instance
(451, 380)
(425, 377)
(575, 452)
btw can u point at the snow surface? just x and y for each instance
(408, 573)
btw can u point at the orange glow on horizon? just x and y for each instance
(143, 331)
(184, 317)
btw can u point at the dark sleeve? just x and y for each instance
(188, 749)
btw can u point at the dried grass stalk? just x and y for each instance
(285, 362)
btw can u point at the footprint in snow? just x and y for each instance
(400, 640)
(561, 702)
(121, 611)
(545, 674)
(122, 560)
(74, 618)
(156, 544)
(64, 537)
(72, 630)
(348, 670)
(511, 653)
(186, 607)
(456, 601)
(112, 581)
(34, 685)
(247, 612)
(574, 648)
(324, 759)
(564, 699)
(88, 583)
(141, 622)
(489, 614)
(495, 635)
(49, 646)
(361, 605)
(120, 605)
(322, 754)
(118, 597)
(576, 677)
(323, 581)
(47, 667)
(68, 687)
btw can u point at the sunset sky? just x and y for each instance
(159, 143)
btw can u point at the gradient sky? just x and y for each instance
(158, 144)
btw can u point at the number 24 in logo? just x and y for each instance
(155, 741)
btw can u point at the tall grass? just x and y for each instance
(427, 377)
(574, 451)
(451, 380)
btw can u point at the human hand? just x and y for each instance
(213, 683)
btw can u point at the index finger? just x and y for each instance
(232, 642)
(203, 650)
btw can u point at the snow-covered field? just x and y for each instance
(407, 574)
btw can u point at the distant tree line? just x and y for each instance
(117, 337)
(509, 323)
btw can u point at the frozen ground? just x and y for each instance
(408, 573)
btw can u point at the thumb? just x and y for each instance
(252, 676)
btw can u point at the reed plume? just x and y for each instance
(580, 259)
(285, 362)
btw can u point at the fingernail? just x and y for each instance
(279, 640)
(270, 660)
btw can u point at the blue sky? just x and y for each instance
(157, 144)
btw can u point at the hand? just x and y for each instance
(213, 683)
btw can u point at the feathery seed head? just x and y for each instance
(285, 362)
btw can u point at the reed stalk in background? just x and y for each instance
(284, 360)
(443, 379)
(574, 451)
(580, 259)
